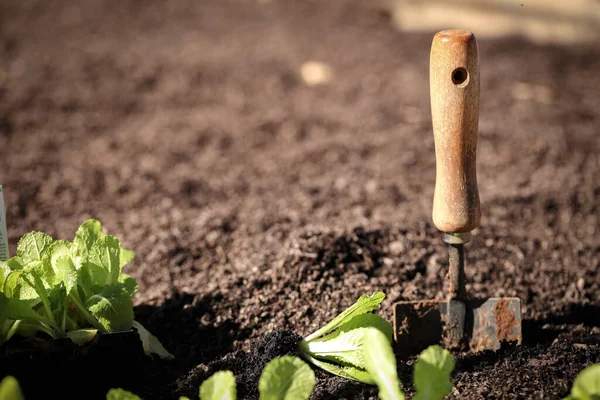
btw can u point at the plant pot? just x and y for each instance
(45, 368)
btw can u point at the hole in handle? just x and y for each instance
(460, 77)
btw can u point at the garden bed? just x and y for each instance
(257, 203)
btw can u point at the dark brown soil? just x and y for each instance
(257, 203)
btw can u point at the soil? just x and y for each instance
(258, 204)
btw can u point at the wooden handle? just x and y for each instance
(454, 84)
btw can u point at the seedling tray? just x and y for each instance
(93, 367)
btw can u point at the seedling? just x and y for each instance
(431, 374)
(586, 385)
(62, 289)
(338, 346)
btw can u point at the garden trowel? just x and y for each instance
(482, 323)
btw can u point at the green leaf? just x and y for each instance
(286, 378)
(380, 362)
(151, 343)
(112, 307)
(120, 394)
(361, 321)
(126, 256)
(33, 246)
(10, 389)
(62, 265)
(106, 253)
(4, 271)
(16, 287)
(14, 309)
(587, 384)
(85, 237)
(364, 305)
(432, 374)
(345, 371)
(129, 282)
(346, 344)
(220, 386)
(82, 336)
(346, 347)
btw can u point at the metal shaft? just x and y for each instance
(456, 270)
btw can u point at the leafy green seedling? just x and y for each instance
(380, 362)
(338, 346)
(10, 389)
(431, 374)
(220, 386)
(286, 378)
(70, 290)
(120, 394)
(586, 385)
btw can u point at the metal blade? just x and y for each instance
(484, 324)
(420, 324)
(493, 321)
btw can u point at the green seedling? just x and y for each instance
(338, 346)
(586, 385)
(10, 389)
(73, 290)
(431, 374)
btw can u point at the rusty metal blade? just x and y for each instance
(484, 324)
(490, 322)
(420, 324)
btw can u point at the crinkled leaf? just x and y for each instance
(106, 253)
(151, 343)
(16, 287)
(220, 386)
(85, 237)
(432, 374)
(126, 256)
(587, 384)
(33, 246)
(380, 362)
(15, 263)
(40, 272)
(130, 283)
(120, 394)
(112, 307)
(286, 378)
(4, 271)
(82, 336)
(63, 266)
(345, 371)
(10, 389)
(364, 305)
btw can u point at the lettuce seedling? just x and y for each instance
(220, 386)
(286, 378)
(338, 346)
(431, 374)
(10, 389)
(380, 362)
(70, 289)
(586, 385)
